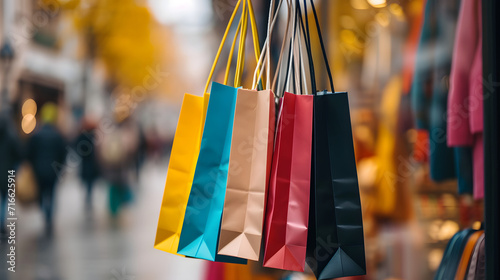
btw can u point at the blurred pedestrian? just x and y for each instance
(89, 167)
(10, 151)
(46, 151)
(118, 152)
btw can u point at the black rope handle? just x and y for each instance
(323, 49)
(299, 21)
(307, 36)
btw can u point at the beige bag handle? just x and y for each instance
(267, 47)
(285, 43)
(296, 51)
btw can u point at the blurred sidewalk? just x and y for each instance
(93, 246)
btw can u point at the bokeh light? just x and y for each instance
(378, 3)
(28, 124)
(29, 107)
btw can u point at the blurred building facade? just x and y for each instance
(49, 63)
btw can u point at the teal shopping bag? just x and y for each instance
(200, 230)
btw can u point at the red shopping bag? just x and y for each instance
(287, 210)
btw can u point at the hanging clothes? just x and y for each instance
(429, 94)
(465, 102)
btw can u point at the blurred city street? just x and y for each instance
(96, 96)
(87, 245)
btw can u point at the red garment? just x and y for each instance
(410, 49)
(421, 147)
(465, 100)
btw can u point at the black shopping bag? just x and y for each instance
(335, 238)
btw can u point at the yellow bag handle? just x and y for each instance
(255, 33)
(231, 52)
(239, 29)
(256, 44)
(222, 45)
(241, 48)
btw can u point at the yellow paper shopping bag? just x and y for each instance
(180, 172)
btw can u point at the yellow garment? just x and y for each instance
(387, 173)
(391, 197)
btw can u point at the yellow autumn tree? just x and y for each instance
(119, 33)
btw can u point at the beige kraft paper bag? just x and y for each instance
(248, 174)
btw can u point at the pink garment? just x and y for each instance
(465, 99)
